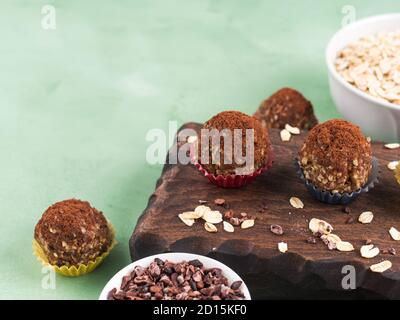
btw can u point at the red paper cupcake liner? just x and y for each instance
(235, 181)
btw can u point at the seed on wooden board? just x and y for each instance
(282, 247)
(296, 203)
(285, 135)
(210, 227)
(202, 209)
(344, 246)
(319, 226)
(292, 130)
(213, 217)
(381, 267)
(191, 215)
(366, 217)
(188, 222)
(369, 251)
(394, 233)
(392, 146)
(228, 227)
(246, 224)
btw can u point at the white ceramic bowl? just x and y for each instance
(231, 275)
(380, 120)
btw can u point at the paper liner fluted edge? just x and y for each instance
(340, 198)
(236, 181)
(74, 271)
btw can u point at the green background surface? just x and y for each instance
(76, 102)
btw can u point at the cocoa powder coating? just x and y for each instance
(336, 156)
(71, 232)
(286, 106)
(229, 121)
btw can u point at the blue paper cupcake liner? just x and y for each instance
(340, 198)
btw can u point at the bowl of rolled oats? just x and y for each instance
(363, 60)
(176, 276)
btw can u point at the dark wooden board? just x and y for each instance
(306, 270)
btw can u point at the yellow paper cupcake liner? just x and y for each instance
(397, 173)
(74, 271)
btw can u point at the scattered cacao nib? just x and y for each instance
(350, 220)
(392, 251)
(228, 214)
(196, 263)
(165, 280)
(276, 229)
(235, 221)
(219, 202)
(347, 210)
(311, 240)
(236, 285)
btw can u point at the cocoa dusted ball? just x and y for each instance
(336, 157)
(228, 121)
(286, 106)
(71, 232)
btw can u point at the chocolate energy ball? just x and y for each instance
(336, 156)
(71, 232)
(228, 121)
(286, 106)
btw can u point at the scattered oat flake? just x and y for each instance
(331, 238)
(392, 165)
(210, 227)
(369, 251)
(285, 135)
(381, 267)
(246, 224)
(319, 226)
(191, 215)
(213, 217)
(228, 227)
(366, 217)
(395, 234)
(202, 209)
(344, 246)
(392, 146)
(292, 130)
(282, 247)
(188, 222)
(296, 203)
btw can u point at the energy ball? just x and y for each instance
(228, 121)
(71, 232)
(336, 157)
(286, 106)
(397, 173)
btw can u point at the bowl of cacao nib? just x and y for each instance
(176, 276)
